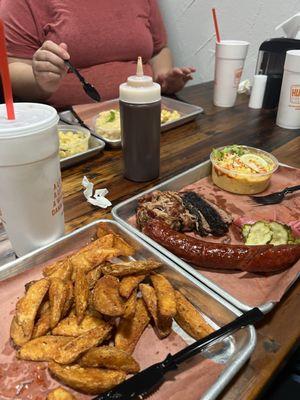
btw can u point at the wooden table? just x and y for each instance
(181, 149)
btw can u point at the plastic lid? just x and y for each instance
(31, 118)
(140, 88)
(292, 61)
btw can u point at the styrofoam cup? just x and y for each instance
(229, 62)
(31, 206)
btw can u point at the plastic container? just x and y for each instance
(30, 180)
(288, 115)
(74, 146)
(229, 63)
(243, 183)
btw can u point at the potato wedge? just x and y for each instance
(42, 348)
(81, 294)
(163, 327)
(130, 267)
(60, 394)
(130, 306)
(70, 327)
(106, 297)
(129, 283)
(17, 334)
(64, 271)
(27, 307)
(189, 318)
(93, 276)
(87, 380)
(124, 248)
(130, 330)
(69, 353)
(110, 357)
(42, 326)
(165, 294)
(57, 299)
(69, 297)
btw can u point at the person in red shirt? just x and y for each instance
(101, 38)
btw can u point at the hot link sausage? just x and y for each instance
(263, 258)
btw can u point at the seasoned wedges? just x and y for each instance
(130, 267)
(81, 294)
(60, 394)
(42, 326)
(110, 357)
(68, 353)
(70, 327)
(130, 306)
(189, 319)
(130, 330)
(93, 276)
(163, 327)
(106, 297)
(27, 308)
(87, 380)
(165, 296)
(60, 269)
(57, 299)
(129, 283)
(42, 348)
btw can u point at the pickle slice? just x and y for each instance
(260, 233)
(246, 230)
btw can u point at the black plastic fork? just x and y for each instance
(274, 198)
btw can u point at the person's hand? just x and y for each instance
(48, 65)
(175, 79)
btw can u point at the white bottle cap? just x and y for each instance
(140, 88)
(258, 91)
(292, 61)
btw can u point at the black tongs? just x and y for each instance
(145, 382)
(89, 89)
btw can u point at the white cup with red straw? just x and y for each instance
(229, 62)
(31, 206)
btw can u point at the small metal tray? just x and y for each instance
(188, 112)
(96, 145)
(125, 210)
(237, 348)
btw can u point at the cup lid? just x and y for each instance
(292, 60)
(30, 119)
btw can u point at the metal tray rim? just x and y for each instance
(265, 308)
(231, 369)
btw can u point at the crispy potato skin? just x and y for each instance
(106, 297)
(70, 352)
(57, 299)
(130, 330)
(189, 318)
(110, 357)
(69, 297)
(42, 326)
(165, 296)
(26, 311)
(125, 248)
(93, 276)
(130, 306)
(87, 380)
(163, 327)
(61, 269)
(70, 327)
(130, 267)
(129, 283)
(81, 294)
(42, 348)
(17, 334)
(60, 394)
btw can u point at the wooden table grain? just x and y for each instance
(182, 148)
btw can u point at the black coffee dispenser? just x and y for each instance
(270, 62)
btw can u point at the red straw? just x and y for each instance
(4, 71)
(216, 24)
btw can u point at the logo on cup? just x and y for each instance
(295, 94)
(237, 76)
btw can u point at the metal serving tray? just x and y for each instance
(123, 211)
(96, 145)
(236, 349)
(188, 113)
